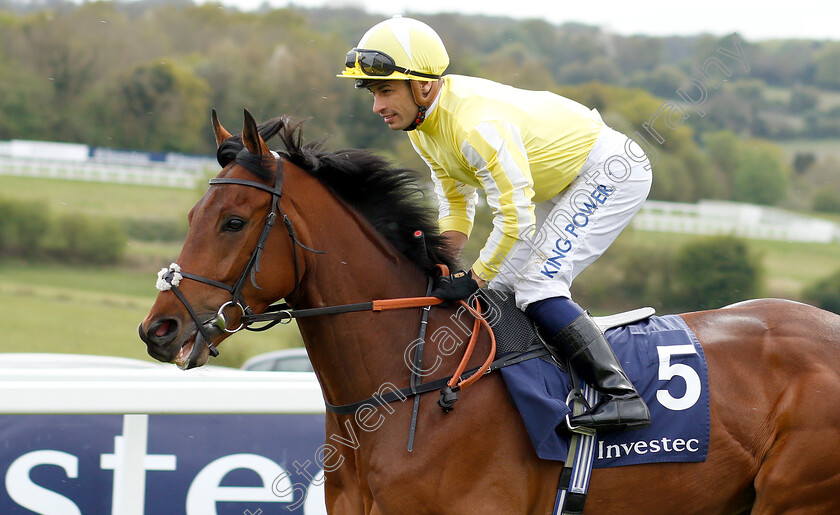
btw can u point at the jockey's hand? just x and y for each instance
(458, 286)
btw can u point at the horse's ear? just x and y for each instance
(220, 132)
(251, 137)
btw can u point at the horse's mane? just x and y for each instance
(387, 196)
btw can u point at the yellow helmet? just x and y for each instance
(398, 48)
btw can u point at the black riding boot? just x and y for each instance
(620, 406)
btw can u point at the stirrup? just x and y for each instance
(576, 395)
(581, 430)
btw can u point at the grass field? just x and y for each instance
(56, 308)
(52, 308)
(103, 199)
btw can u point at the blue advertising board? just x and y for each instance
(181, 464)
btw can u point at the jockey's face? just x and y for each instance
(393, 101)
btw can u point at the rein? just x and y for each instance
(283, 313)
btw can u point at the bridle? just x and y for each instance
(170, 278)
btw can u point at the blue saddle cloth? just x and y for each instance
(666, 364)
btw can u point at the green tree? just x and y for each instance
(825, 293)
(723, 148)
(802, 161)
(639, 53)
(539, 36)
(516, 64)
(672, 181)
(762, 175)
(827, 62)
(827, 201)
(751, 90)
(803, 99)
(782, 62)
(707, 179)
(23, 226)
(159, 106)
(72, 48)
(83, 239)
(25, 101)
(714, 272)
(601, 69)
(664, 81)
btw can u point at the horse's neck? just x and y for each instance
(355, 353)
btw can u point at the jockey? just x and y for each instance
(561, 183)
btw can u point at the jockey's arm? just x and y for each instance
(457, 241)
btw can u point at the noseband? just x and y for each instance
(170, 278)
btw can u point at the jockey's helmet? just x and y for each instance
(397, 48)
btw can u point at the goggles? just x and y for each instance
(374, 63)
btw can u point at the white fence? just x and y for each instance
(79, 162)
(167, 390)
(710, 217)
(163, 175)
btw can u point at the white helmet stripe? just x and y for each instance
(402, 31)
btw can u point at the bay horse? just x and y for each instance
(346, 237)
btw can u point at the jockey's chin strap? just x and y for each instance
(423, 100)
(169, 278)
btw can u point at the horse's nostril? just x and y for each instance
(163, 328)
(162, 332)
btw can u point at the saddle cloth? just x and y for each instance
(660, 355)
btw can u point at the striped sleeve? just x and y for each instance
(456, 200)
(496, 151)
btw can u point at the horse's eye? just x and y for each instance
(233, 225)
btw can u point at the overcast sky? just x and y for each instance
(753, 20)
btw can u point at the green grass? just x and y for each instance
(53, 308)
(101, 199)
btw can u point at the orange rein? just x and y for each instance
(479, 321)
(418, 302)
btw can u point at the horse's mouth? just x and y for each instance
(194, 352)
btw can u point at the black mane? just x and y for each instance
(388, 197)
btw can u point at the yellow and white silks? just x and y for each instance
(523, 148)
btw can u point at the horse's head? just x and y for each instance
(226, 267)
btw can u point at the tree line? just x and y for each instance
(144, 75)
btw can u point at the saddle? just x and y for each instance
(516, 333)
